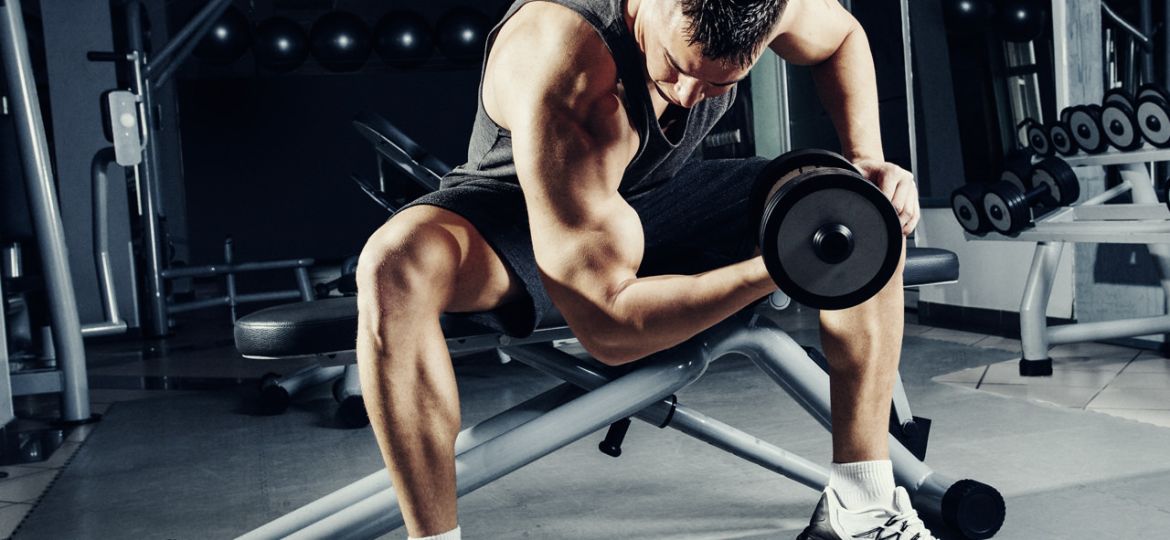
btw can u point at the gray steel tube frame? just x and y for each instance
(113, 323)
(1035, 335)
(368, 508)
(42, 195)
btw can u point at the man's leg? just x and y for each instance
(863, 345)
(421, 263)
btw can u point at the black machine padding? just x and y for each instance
(330, 325)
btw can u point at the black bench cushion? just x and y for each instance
(329, 325)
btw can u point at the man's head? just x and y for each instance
(697, 49)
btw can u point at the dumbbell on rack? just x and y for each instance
(1152, 115)
(1062, 140)
(1084, 123)
(1119, 120)
(967, 201)
(1008, 208)
(1037, 137)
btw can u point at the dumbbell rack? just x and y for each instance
(1092, 221)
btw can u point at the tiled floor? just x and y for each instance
(1112, 380)
(1109, 379)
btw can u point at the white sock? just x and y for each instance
(452, 534)
(863, 484)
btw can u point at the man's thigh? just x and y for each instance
(699, 220)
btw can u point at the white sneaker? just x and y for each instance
(832, 521)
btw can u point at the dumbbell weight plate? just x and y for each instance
(1117, 95)
(830, 238)
(1120, 126)
(785, 168)
(1006, 208)
(1063, 187)
(1085, 125)
(967, 204)
(1153, 90)
(1036, 137)
(1017, 170)
(1062, 141)
(1065, 114)
(1153, 119)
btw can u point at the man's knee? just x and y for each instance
(408, 261)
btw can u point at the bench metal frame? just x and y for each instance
(595, 395)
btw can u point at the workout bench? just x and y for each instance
(594, 396)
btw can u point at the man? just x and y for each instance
(578, 197)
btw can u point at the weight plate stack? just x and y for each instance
(1085, 125)
(829, 237)
(967, 205)
(1153, 119)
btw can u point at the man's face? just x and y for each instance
(680, 72)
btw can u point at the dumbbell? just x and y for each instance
(1062, 140)
(1153, 116)
(967, 204)
(829, 237)
(1036, 137)
(1084, 123)
(967, 201)
(1052, 183)
(1119, 120)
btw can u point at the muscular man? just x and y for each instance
(579, 197)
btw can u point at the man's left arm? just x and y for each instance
(823, 35)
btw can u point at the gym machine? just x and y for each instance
(132, 128)
(69, 376)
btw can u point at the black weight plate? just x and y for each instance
(1153, 90)
(1153, 119)
(1062, 140)
(1085, 125)
(1064, 114)
(786, 167)
(1006, 208)
(1117, 95)
(967, 205)
(1120, 125)
(807, 203)
(1063, 186)
(1037, 138)
(1017, 170)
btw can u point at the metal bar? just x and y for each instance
(1145, 154)
(158, 321)
(304, 285)
(750, 448)
(1122, 24)
(7, 414)
(225, 300)
(230, 278)
(1060, 55)
(1096, 331)
(42, 198)
(654, 379)
(907, 61)
(101, 246)
(268, 296)
(1143, 193)
(1121, 212)
(1094, 232)
(212, 270)
(181, 44)
(1034, 305)
(104, 329)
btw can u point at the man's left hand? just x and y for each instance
(898, 185)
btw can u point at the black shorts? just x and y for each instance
(697, 221)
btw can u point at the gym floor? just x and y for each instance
(1077, 455)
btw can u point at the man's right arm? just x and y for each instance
(553, 87)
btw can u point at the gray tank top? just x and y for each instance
(489, 154)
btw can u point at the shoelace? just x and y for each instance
(905, 526)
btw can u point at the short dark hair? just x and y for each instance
(731, 30)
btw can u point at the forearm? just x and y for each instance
(654, 313)
(847, 87)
